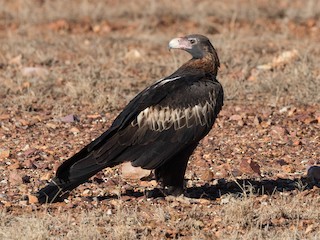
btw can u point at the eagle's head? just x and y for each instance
(198, 46)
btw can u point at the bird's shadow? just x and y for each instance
(236, 187)
(247, 186)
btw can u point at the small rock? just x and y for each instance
(283, 59)
(106, 28)
(24, 122)
(16, 60)
(26, 179)
(281, 162)
(126, 198)
(284, 109)
(297, 142)
(74, 130)
(111, 182)
(206, 176)
(310, 120)
(198, 224)
(3, 196)
(4, 116)
(265, 124)
(32, 199)
(46, 176)
(236, 172)
(133, 54)
(309, 229)
(86, 193)
(127, 187)
(51, 125)
(70, 205)
(15, 178)
(34, 71)
(4, 153)
(313, 174)
(26, 147)
(29, 152)
(249, 166)
(240, 123)
(94, 116)
(286, 57)
(109, 212)
(222, 170)
(7, 204)
(235, 117)
(288, 168)
(257, 120)
(56, 165)
(151, 183)
(292, 111)
(225, 199)
(254, 73)
(69, 118)
(203, 201)
(15, 165)
(96, 28)
(58, 25)
(41, 164)
(265, 66)
(279, 132)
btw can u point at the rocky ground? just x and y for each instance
(66, 74)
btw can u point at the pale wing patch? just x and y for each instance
(164, 81)
(158, 118)
(161, 82)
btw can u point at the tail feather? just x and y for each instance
(77, 170)
(54, 191)
(57, 188)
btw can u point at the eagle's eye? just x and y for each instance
(192, 41)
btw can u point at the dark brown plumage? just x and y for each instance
(158, 129)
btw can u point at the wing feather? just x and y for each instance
(157, 123)
(161, 130)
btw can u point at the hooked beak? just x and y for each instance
(179, 43)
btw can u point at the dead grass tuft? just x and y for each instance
(280, 216)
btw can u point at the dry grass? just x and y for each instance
(262, 220)
(88, 68)
(280, 216)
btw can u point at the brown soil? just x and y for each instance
(64, 61)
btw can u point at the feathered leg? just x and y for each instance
(171, 174)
